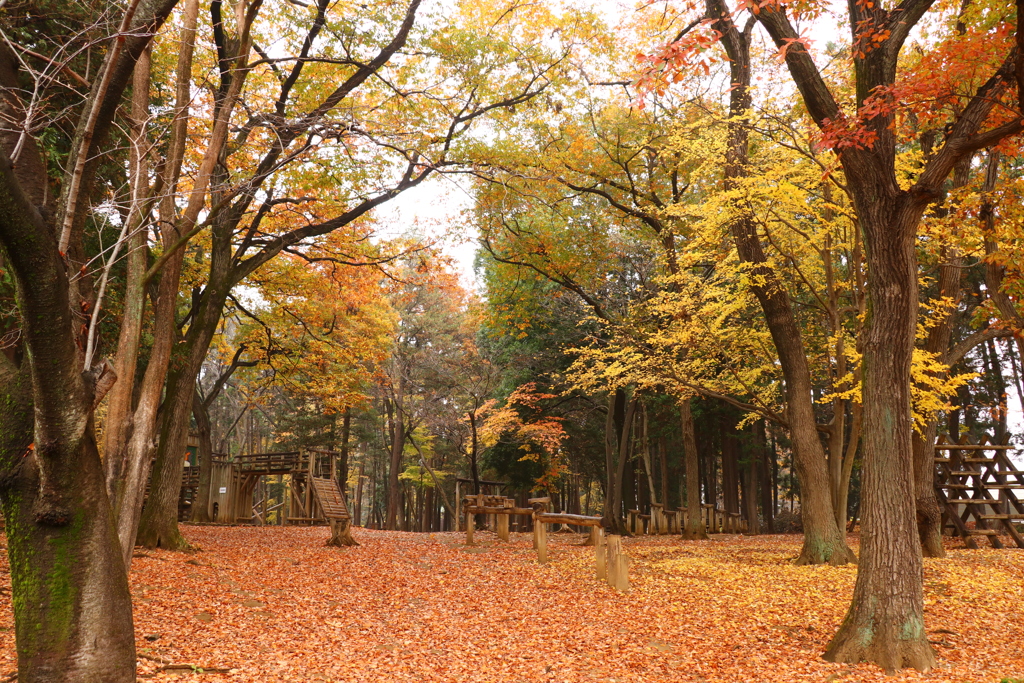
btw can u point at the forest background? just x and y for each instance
(719, 265)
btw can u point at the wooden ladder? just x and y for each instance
(329, 498)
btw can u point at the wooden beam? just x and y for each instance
(563, 518)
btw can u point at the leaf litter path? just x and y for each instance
(274, 604)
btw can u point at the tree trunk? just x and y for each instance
(72, 607)
(397, 450)
(158, 525)
(929, 514)
(117, 426)
(617, 428)
(850, 458)
(131, 487)
(767, 456)
(201, 503)
(346, 425)
(663, 467)
(750, 490)
(730, 462)
(135, 458)
(357, 512)
(824, 541)
(694, 529)
(341, 534)
(885, 623)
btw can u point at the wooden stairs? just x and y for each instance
(330, 499)
(972, 486)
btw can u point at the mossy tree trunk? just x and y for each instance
(72, 606)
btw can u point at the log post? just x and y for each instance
(600, 552)
(657, 519)
(540, 539)
(618, 572)
(503, 527)
(539, 505)
(470, 523)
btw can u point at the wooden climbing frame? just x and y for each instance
(610, 562)
(310, 476)
(979, 483)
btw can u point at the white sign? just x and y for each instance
(223, 489)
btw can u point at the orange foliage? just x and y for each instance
(522, 420)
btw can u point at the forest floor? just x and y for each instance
(274, 604)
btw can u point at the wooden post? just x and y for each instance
(600, 554)
(470, 524)
(657, 526)
(503, 527)
(540, 539)
(618, 571)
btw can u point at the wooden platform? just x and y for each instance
(311, 496)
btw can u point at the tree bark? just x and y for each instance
(824, 541)
(341, 534)
(616, 434)
(72, 606)
(132, 461)
(397, 450)
(694, 528)
(117, 427)
(346, 425)
(158, 524)
(929, 514)
(885, 623)
(766, 457)
(201, 503)
(751, 490)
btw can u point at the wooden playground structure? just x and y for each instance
(610, 562)
(977, 486)
(312, 495)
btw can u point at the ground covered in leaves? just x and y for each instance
(274, 604)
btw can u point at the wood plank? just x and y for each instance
(578, 520)
(499, 511)
(330, 498)
(983, 486)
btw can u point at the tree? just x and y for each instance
(72, 606)
(885, 623)
(252, 220)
